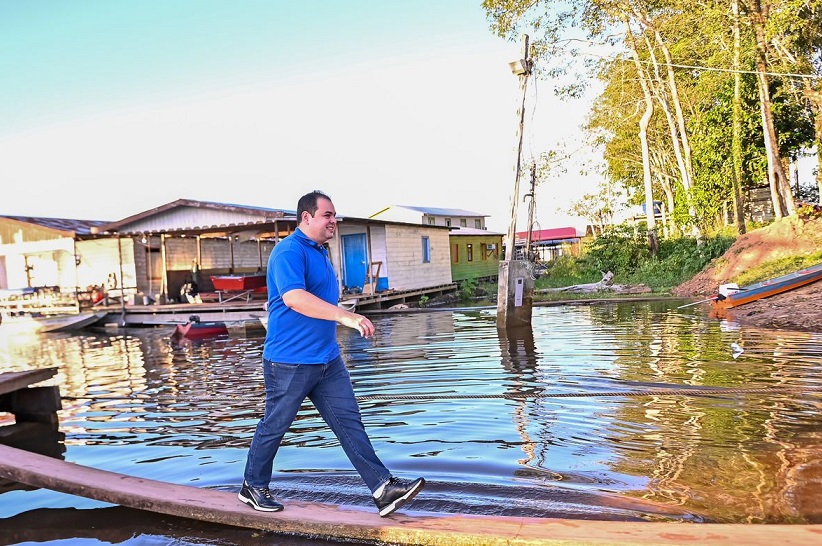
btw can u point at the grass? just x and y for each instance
(776, 268)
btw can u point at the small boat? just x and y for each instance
(195, 328)
(731, 295)
(53, 323)
(238, 282)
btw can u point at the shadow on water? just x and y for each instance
(545, 421)
(118, 525)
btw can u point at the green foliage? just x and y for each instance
(809, 211)
(468, 289)
(624, 251)
(423, 300)
(679, 260)
(620, 250)
(566, 270)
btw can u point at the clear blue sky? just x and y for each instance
(109, 108)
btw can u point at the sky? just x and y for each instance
(110, 108)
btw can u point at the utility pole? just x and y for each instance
(515, 294)
(531, 205)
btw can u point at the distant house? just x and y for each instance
(475, 252)
(163, 246)
(46, 259)
(377, 255)
(156, 252)
(432, 216)
(549, 244)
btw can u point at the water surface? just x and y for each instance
(634, 411)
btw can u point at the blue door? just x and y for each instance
(355, 260)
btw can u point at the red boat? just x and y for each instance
(238, 282)
(195, 329)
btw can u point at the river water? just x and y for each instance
(631, 411)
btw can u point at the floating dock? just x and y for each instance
(358, 524)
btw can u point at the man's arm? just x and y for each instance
(308, 304)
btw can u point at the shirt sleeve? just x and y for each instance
(289, 271)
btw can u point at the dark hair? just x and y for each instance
(308, 203)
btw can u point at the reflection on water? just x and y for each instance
(544, 421)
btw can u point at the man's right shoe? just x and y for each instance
(397, 492)
(259, 498)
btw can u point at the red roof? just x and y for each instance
(550, 234)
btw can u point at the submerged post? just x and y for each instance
(515, 292)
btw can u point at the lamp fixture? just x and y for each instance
(521, 67)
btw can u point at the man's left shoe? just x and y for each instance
(259, 498)
(396, 493)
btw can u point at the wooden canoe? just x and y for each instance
(770, 287)
(55, 323)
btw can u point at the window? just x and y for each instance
(463, 222)
(432, 221)
(470, 252)
(483, 251)
(448, 222)
(478, 223)
(455, 254)
(426, 249)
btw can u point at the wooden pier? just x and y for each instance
(26, 403)
(364, 525)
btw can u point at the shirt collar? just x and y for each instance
(298, 233)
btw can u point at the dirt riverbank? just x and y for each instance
(796, 309)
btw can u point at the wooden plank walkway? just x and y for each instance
(359, 524)
(13, 381)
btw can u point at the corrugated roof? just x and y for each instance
(436, 211)
(474, 231)
(267, 213)
(550, 234)
(67, 225)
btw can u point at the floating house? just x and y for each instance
(152, 256)
(474, 251)
(42, 264)
(549, 244)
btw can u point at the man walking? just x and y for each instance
(301, 359)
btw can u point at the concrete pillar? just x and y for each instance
(515, 295)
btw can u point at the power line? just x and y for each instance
(587, 53)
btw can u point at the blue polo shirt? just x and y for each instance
(293, 338)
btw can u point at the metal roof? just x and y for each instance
(436, 211)
(474, 231)
(66, 225)
(264, 212)
(554, 234)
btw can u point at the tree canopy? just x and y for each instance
(697, 97)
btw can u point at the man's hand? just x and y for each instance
(359, 323)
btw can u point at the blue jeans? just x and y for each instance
(328, 386)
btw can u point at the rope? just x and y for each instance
(506, 396)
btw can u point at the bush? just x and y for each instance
(621, 249)
(625, 252)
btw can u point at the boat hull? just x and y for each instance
(57, 323)
(196, 330)
(238, 282)
(770, 287)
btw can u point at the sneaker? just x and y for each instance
(259, 498)
(397, 492)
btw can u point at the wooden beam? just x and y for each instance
(358, 524)
(12, 381)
